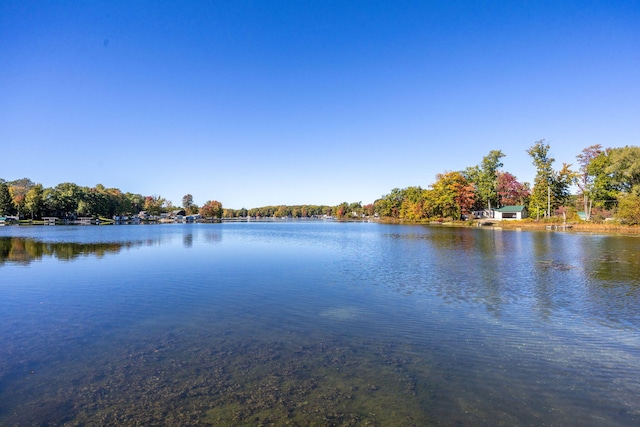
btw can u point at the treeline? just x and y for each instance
(27, 199)
(608, 183)
(607, 179)
(343, 210)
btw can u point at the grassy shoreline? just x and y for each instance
(580, 227)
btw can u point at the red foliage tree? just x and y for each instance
(510, 191)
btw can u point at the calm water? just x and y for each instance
(310, 323)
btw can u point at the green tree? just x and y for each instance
(6, 202)
(585, 179)
(544, 182)
(562, 184)
(487, 182)
(132, 203)
(154, 205)
(624, 168)
(62, 200)
(604, 191)
(355, 209)
(389, 205)
(34, 201)
(629, 208)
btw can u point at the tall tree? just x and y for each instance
(544, 181)
(187, 201)
(624, 167)
(488, 178)
(604, 191)
(6, 202)
(19, 189)
(34, 200)
(562, 184)
(189, 207)
(584, 179)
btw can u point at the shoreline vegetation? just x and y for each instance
(541, 225)
(607, 199)
(608, 227)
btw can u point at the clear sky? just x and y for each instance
(270, 102)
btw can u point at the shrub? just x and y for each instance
(629, 209)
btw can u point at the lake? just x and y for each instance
(317, 323)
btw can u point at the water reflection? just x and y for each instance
(24, 245)
(24, 251)
(320, 324)
(549, 272)
(187, 240)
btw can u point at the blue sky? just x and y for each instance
(257, 103)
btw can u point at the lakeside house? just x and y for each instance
(510, 212)
(483, 214)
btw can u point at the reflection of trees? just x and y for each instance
(213, 237)
(613, 290)
(24, 251)
(545, 272)
(615, 260)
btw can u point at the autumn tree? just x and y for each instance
(451, 195)
(154, 205)
(19, 189)
(411, 207)
(510, 191)
(369, 209)
(34, 200)
(342, 210)
(211, 209)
